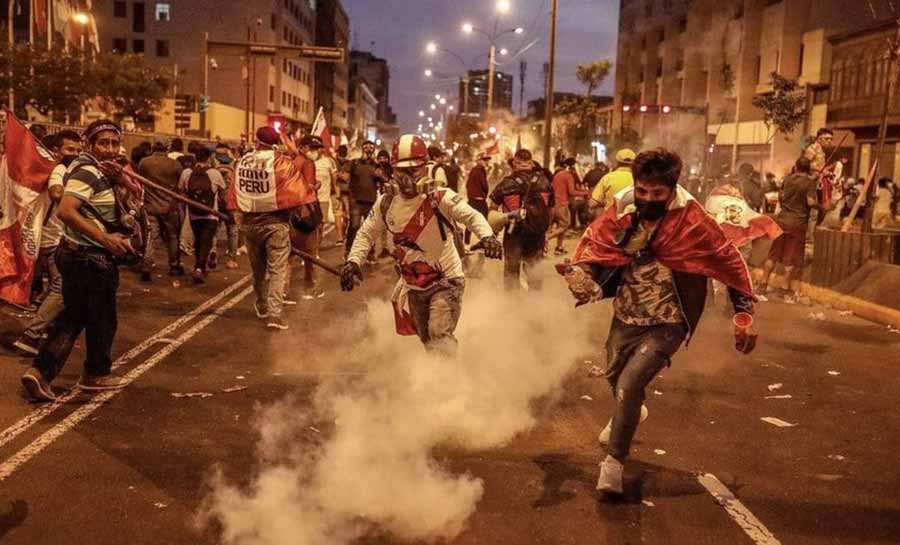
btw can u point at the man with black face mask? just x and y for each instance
(653, 250)
(363, 187)
(418, 221)
(66, 146)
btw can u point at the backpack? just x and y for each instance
(200, 189)
(537, 212)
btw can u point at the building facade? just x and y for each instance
(363, 111)
(333, 80)
(375, 73)
(476, 84)
(244, 95)
(708, 59)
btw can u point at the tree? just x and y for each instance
(53, 83)
(582, 111)
(131, 85)
(784, 108)
(592, 74)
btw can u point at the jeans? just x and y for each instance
(90, 279)
(358, 213)
(52, 305)
(269, 247)
(204, 240)
(518, 251)
(233, 235)
(435, 313)
(167, 227)
(634, 355)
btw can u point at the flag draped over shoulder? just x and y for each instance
(266, 181)
(740, 223)
(689, 240)
(24, 173)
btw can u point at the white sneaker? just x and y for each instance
(604, 435)
(610, 480)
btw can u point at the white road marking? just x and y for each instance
(32, 449)
(748, 522)
(46, 409)
(328, 228)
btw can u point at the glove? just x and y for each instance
(744, 337)
(492, 248)
(350, 274)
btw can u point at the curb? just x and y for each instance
(860, 307)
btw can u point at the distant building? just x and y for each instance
(169, 34)
(363, 110)
(333, 80)
(478, 92)
(375, 73)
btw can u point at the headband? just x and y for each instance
(92, 132)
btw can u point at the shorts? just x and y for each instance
(790, 248)
(561, 215)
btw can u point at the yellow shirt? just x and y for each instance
(611, 184)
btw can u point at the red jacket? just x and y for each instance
(477, 184)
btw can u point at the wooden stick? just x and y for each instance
(316, 261)
(848, 221)
(177, 196)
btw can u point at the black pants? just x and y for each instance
(167, 227)
(358, 213)
(519, 250)
(204, 240)
(90, 279)
(482, 206)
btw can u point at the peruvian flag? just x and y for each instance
(24, 172)
(740, 223)
(320, 129)
(267, 181)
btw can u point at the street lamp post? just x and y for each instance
(432, 48)
(503, 6)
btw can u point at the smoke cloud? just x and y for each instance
(371, 469)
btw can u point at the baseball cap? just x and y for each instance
(625, 156)
(267, 135)
(311, 141)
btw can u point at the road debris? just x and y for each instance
(777, 422)
(659, 452)
(892, 329)
(782, 396)
(595, 372)
(315, 429)
(657, 393)
(160, 505)
(648, 503)
(586, 398)
(776, 386)
(837, 457)
(240, 377)
(233, 389)
(834, 373)
(820, 316)
(846, 313)
(201, 395)
(762, 298)
(176, 284)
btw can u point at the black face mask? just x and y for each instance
(650, 210)
(67, 159)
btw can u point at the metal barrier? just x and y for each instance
(837, 255)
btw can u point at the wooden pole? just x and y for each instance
(177, 196)
(316, 261)
(548, 114)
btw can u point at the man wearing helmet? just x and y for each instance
(418, 220)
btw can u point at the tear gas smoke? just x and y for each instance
(374, 471)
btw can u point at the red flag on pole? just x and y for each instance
(24, 172)
(320, 129)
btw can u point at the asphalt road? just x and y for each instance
(135, 467)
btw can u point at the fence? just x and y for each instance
(839, 255)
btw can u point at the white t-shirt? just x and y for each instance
(52, 231)
(325, 172)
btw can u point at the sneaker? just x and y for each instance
(560, 251)
(27, 345)
(242, 250)
(604, 435)
(99, 384)
(199, 276)
(231, 264)
(313, 293)
(37, 387)
(275, 322)
(213, 260)
(610, 480)
(260, 313)
(176, 270)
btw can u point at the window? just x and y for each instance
(120, 45)
(138, 23)
(820, 96)
(662, 35)
(758, 69)
(137, 46)
(162, 12)
(659, 67)
(119, 10)
(162, 48)
(682, 25)
(643, 42)
(274, 22)
(271, 93)
(648, 9)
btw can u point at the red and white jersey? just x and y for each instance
(414, 235)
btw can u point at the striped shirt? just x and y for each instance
(85, 182)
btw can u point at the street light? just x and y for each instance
(492, 130)
(503, 6)
(467, 28)
(504, 51)
(433, 107)
(443, 101)
(437, 97)
(421, 113)
(428, 72)
(431, 47)
(81, 18)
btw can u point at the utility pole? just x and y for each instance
(548, 114)
(247, 90)
(492, 70)
(523, 67)
(203, 112)
(12, 43)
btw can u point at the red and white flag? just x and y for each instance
(740, 223)
(320, 129)
(24, 173)
(266, 182)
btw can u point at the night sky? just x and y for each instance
(400, 29)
